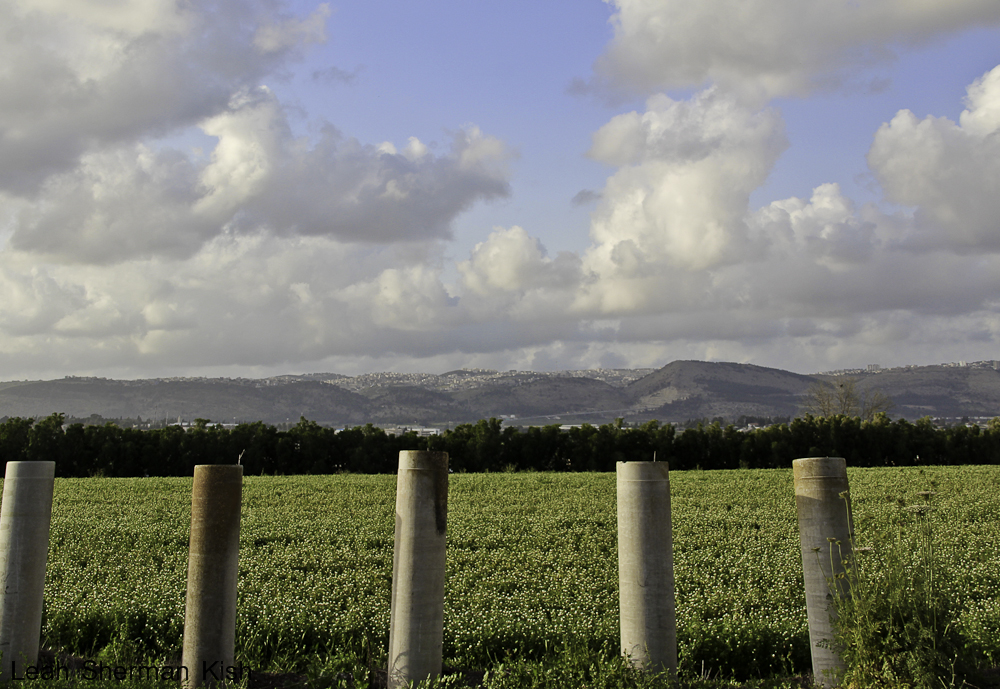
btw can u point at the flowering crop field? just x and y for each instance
(532, 563)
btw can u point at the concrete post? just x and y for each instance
(25, 516)
(416, 626)
(646, 566)
(213, 565)
(825, 537)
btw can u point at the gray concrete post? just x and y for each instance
(25, 516)
(823, 515)
(646, 566)
(416, 625)
(213, 566)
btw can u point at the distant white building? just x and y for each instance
(422, 432)
(874, 368)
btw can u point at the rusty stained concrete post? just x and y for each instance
(25, 517)
(825, 538)
(416, 627)
(646, 566)
(213, 567)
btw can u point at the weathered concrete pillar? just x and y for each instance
(825, 536)
(213, 567)
(416, 627)
(646, 566)
(25, 516)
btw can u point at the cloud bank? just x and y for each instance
(272, 250)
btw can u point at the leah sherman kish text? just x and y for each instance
(93, 670)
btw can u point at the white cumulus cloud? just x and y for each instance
(769, 47)
(948, 171)
(78, 76)
(137, 202)
(679, 199)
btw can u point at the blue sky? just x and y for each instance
(257, 188)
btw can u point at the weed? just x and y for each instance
(895, 627)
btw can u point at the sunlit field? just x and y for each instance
(532, 565)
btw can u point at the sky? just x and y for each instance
(257, 187)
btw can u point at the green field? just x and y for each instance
(532, 565)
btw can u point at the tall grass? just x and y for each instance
(895, 625)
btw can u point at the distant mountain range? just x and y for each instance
(679, 391)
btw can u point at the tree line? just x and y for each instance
(488, 445)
